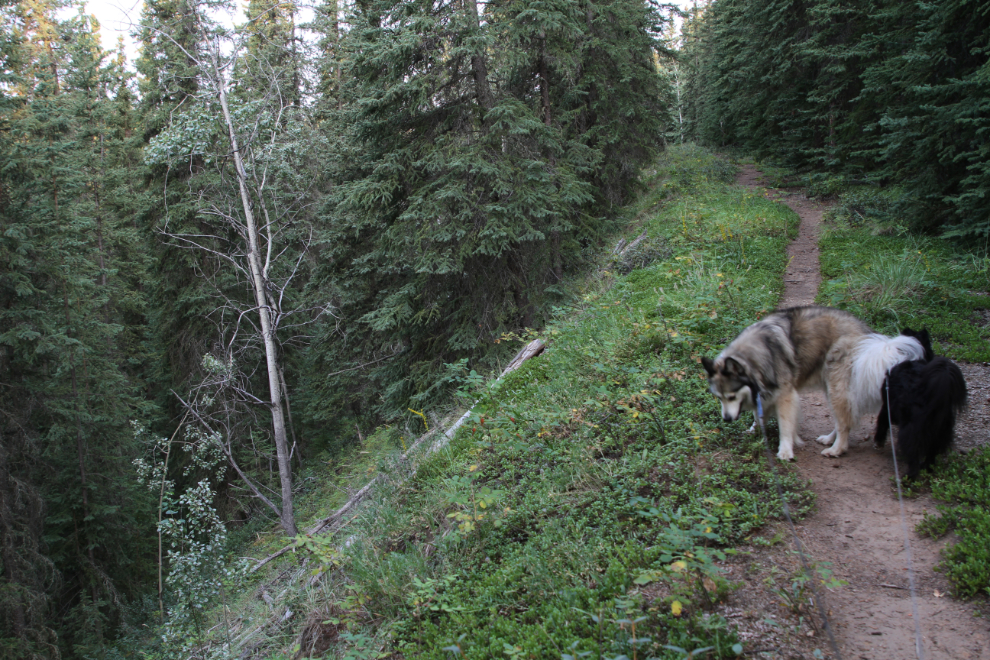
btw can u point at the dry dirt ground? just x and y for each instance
(856, 528)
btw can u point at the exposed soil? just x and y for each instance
(856, 526)
(973, 426)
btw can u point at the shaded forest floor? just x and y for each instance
(856, 526)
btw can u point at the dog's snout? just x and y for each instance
(728, 418)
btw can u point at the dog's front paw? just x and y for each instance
(826, 439)
(785, 453)
(832, 452)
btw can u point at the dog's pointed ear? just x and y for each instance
(732, 367)
(926, 343)
(923, 338)
(709, 365)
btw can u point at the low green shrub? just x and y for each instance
(963, 483)
(860, 205)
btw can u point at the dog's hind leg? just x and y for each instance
(842, 412)
(911, 446)
(828, 439)
(788, 414)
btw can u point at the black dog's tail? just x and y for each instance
(940, 396)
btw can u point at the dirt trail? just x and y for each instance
(857, 524)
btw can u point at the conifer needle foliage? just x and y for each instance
(882, 91)
(491, 147)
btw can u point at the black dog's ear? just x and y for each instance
(924, 339)
(733, 368)
(926, 343)
(709, 365)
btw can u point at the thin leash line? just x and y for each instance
(907, 541)
(818, 598)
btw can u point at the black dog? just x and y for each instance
(924, 398)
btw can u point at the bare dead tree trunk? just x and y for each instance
(267, 294)
(676, 69)
(259, 287)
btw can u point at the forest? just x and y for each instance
(883, 92)
(231, 262)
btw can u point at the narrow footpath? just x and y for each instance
(856, 525)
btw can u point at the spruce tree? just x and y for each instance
(271, 62)
(933, 129)
(483, 152)
(70, 399)
(181, 299)
(882, 91)
(28, 580)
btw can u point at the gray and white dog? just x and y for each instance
(807, 348)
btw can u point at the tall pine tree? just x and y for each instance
(486, 150)
(70, 327)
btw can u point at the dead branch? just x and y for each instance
(230, 456)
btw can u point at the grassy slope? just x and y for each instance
(894, 280)
(600, 452)
(582, 508)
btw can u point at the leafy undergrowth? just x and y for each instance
(893, 279)
(583, 509)
(963, 483)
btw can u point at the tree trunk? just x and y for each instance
(479, 67)
(8, 542)
(296, 96)
(338, 60)
(261, 299)
(544, 81)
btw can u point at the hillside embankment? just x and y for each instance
(594, 504)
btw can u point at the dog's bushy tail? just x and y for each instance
(938, 398)
(875, 356)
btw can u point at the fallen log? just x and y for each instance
(332, 522)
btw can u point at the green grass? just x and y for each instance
(585, 505)
(896, 280)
